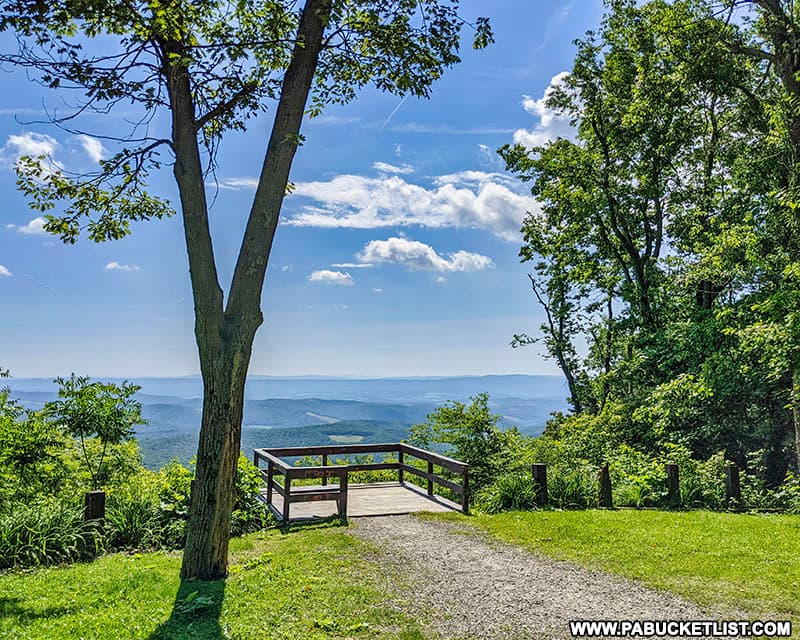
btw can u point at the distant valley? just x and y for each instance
(307, 411)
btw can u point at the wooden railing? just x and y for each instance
(276, 466)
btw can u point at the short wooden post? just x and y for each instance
(287, 495)
(733, 487)
(324, 463)
(465, 491)
(604, 478)
(430, 480)
(94, 505)
(342, 500)
(270, 476)
(400, 471)
(540, 480)
(673, 485)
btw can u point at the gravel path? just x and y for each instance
(478, 588)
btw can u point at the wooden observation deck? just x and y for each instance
(335, 495)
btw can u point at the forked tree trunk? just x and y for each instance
(225, 336)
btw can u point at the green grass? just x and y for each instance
(309, 583)
(742, 561)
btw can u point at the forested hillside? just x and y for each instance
(665, 253)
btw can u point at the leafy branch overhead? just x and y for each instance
(235, 56)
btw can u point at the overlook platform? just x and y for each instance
(306, 490)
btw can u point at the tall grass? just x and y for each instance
(46, 532)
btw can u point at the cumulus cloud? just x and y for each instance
(420, 256)
(475, 199)
(116, 266)
(551, 124)
(93, 147)
(4, 271)
(34, 228)
(338, 278)
(385, 167)
(377, 290)
(33, 145)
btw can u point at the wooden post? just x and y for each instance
(673, 485)
(733, 487)
(604, 478)
(287, 494)
(400, 473)
(343, 496)
(430, 482)
(540, 479)
(465, 492)
(94, 505)
(324, 463)
(270, 476)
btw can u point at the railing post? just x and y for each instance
(430, 480)
(94, 505)
(287, 495)
(733, 487)
(324, 463)
(342, 500)
(673, 485)
(604, 477)
(465, 491)
(270, 476)
(540, 478)
(400, 461)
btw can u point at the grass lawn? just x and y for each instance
(310, 583)
(716, 559)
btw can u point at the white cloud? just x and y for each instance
(286, 268)
(29, 144)
(420, 256)
(441, 279)
(551, 124)
(467, 199)
(116, 266)
(351, 265)
(235, 184)
(332, 277)
(377, 290)
(4, 271)
(385, 167)
(33, 145)
(93, 147)
(34, 228)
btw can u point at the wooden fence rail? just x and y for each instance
(276, 466)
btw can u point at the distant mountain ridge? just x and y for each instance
(282, 411)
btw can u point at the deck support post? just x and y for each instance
(324, 464)
(465, 491)
(287, 497)
(343, 496)
(270, 476)
(430, 480)
(400, 474)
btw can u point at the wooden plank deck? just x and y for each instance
(373, 499)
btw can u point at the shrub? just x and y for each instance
(46, 532)
(572, 486)
(510, 492)
(249, 512)
(133, 514)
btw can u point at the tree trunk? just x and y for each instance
(796, 412)
(225, 339)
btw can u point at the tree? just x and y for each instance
(472, 434)
(212, 65)
(99, 410)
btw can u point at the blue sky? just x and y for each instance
(396, 256)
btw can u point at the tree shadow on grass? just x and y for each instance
(17, 608)
(312, 523)
(195, 613)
